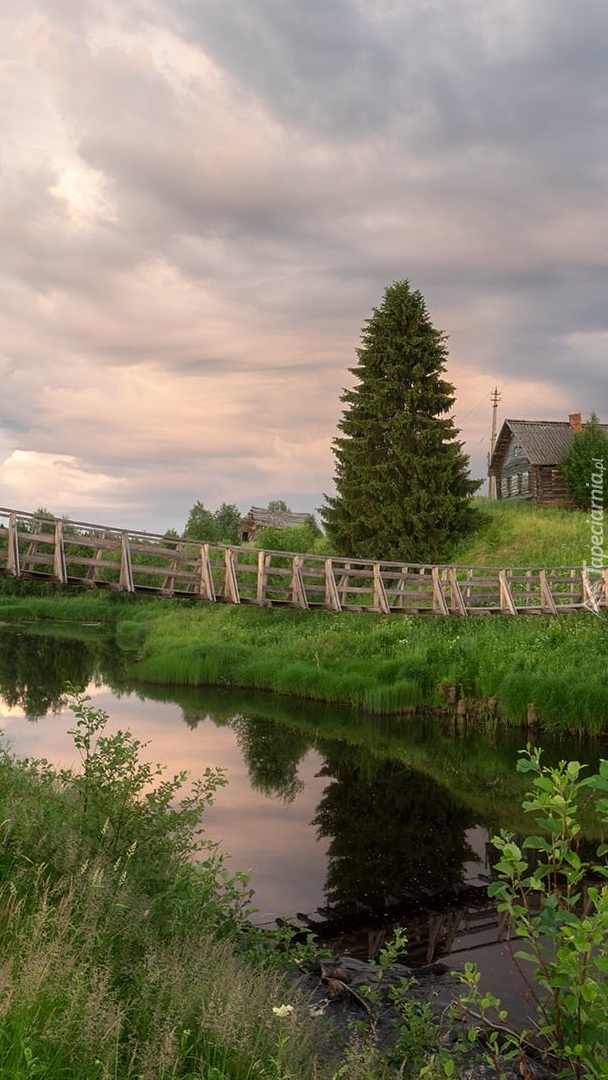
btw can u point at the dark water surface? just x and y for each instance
(352, 823)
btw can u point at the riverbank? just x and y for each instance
(501, 667)
(122, 958)
(544, 671)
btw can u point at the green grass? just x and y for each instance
(377, 664)
(519, 534)
(119, 958)
(385, 665)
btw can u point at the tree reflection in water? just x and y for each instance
(394, 832)
(272, 753)
(36, 668)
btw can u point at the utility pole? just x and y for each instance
(495, 397)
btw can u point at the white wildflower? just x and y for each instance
(282, 1011)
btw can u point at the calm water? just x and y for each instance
(353, 824)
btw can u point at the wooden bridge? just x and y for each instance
(102, 557)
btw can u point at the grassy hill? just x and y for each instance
(518, 534)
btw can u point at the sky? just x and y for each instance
(202, 201)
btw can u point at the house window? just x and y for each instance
(525, 483)
(515, 484)
(504, 488)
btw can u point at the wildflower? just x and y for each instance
(282, 1011)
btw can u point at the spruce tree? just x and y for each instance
(403, 491)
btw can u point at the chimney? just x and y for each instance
(575, 421)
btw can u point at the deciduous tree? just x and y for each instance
(227, 523)
(201, 523)
(580, 465)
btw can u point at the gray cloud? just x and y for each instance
(202, 202)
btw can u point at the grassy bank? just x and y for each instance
(377, 664)
(120, 957)
(385, 665)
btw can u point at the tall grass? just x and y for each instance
(387, 665)
(520, 534)
(140, 966)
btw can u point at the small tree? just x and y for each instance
(402, 481)
(580, 462)
(227, 523)
(201, 523)
(278, 506)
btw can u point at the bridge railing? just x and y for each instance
(98, 556)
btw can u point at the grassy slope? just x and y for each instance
(518, 534)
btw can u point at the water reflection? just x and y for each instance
(36, 666)
(272, 752)
(393, 832)
(326, 825)
(353, 822)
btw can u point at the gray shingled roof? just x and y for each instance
(544, 442)
(261, 516)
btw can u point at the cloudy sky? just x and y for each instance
(201, 201)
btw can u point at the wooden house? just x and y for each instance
(525, 462)
(260, 517)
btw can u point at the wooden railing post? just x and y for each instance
(589, 597)
(547, 602)
(263, 558)
(59, 567)
(506, 599)
(439, 604)
(332, 600)
(126, 570)
(298, 592)
(13, 547)
(231, 588)
(206, 586)
(380, 597)
(456, 597)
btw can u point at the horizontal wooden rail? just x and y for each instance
(103, 557)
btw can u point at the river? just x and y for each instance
(347, 823)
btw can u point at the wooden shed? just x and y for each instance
(525, 462)
(260, 517)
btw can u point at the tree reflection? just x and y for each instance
(272, 752)
(394, 831)
(37, 669)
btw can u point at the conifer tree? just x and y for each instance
(402, 484)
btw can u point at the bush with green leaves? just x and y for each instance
(580, 464)
(556, 905)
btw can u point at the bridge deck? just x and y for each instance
(102, 557)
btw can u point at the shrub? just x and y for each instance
(557, 907)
